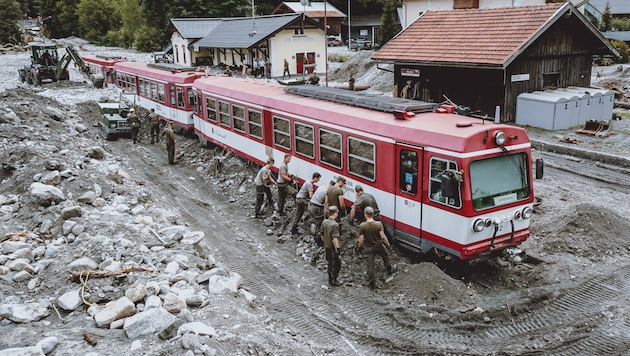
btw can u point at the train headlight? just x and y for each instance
(527, 212)
(479, 225)
(517, 215)
(499, 138)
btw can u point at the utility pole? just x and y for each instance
(349, 30)
(326, 40)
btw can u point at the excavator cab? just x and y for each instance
(45, 55)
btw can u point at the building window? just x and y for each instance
(255, 123)
(361, 160)
(330, 148)
(551, 80)
(304, 140)
(282, 132)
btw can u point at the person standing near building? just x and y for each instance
(316, 208)
(351, 82)
(372, 236)
(154, 122)
(169, 137)
(284, 184)
(330, 233)
(263, 181)
(255, 67)
(134, 123)
(268, 69)
(261, 67)
(302, 200)
(286, 69)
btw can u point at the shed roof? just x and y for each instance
(314, 9)
(194, 28)
(478, 37)
(246, 32)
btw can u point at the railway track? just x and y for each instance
(354, 320)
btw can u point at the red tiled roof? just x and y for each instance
(470, 36)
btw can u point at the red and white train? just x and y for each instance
(102, 66)
(453, 184)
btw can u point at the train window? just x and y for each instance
(408, 181)
(153, 90)
(255, 123)
(238, 115)
(191, 99)
(180, 98)
(211, 108)
(141, 86)
(439, 167)
(224, 113)
(330, 148)
(199, 103)
(160, 92)
(499, 180)
(361, 160)
(171, 95)
(304, 140)
(282, 132)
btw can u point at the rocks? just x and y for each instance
(45, 194)
(24, 313)
(147, 322)
(118, 309)
(95, 152)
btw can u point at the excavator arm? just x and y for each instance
(71, 55)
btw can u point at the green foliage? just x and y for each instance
(10, 14)
(230, 8)
(389, 25)
(620, 24)
(131, 20)
(606, 23)
(67, 18)
(623, 49)
(147, 39)
(335, 57)
(97, 18)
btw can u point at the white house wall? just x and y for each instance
(286, 44)
(181, 53)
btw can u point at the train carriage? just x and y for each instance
(102, 66)
(453, 184)
(167, 88)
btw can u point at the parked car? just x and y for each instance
(333, 41)
(359, 44)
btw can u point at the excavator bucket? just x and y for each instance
(596, 128)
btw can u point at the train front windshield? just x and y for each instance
(499, 180)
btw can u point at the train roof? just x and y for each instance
(101, 60)
(171, 74)
(441, 130)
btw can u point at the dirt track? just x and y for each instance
(564, 299)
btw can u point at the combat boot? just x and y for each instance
(392, 269)
(334, 282)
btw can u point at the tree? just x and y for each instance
(230, 8)
(606, 23)
(10, 15)
(97, 18)
(131, 20)
(389, 24)
(67, 18)
(48, 12)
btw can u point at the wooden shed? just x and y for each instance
(483, 58)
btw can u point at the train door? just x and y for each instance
(408, 191)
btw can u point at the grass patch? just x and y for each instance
(334, 57)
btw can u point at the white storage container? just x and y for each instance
(541, 110)
(573, 106)
(585, 104)
(598, 112)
